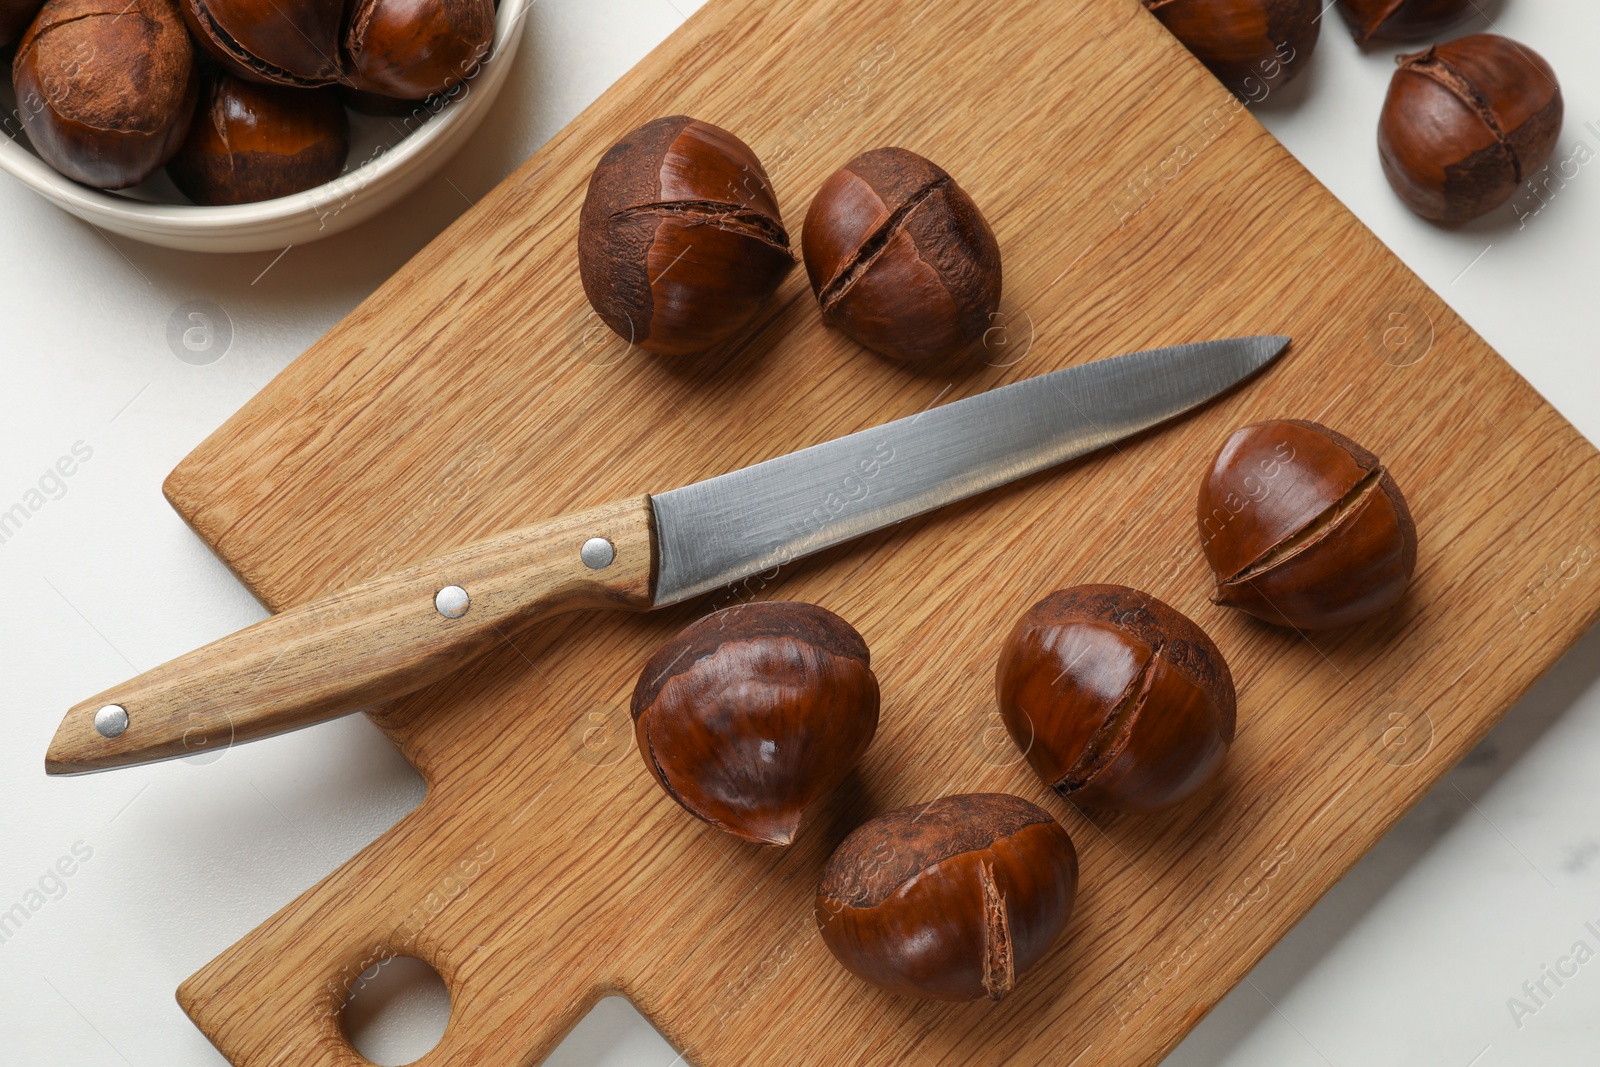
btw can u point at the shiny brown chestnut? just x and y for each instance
(900, 258)
(1466, 123)
(752, 712)
(14, 18)
(1403, 20)
(106, 88)
(680, 241)
(1116, 699)
(1252, 46)
(1303, 527)
(251, 142)
(410, 49)
(279, 42)
(951, 900)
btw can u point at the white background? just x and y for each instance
(1409, 960)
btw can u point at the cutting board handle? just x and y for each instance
(365, 644)
(278, 997)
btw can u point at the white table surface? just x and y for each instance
(1411, 960)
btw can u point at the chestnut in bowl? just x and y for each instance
(252, 142)
(410, 49)
(106, 88)
(900, 258)
(1303, 527)
(1466, 123)
(279, 42)
(752, 712)
(951, 900)
(680, 241)
(1116, 699)
(1250, 45)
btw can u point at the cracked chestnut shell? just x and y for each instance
(752, 712)
(1303, 527)
(680, 241)
(251, 142)
(951, 900)
(106, 88)
(1465, 123)
(410, 49)
(1251, 46)
(1116, 699)
(1402, 20)
(279, 42)
(900, 258)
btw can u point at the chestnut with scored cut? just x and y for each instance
(680, 241)
(900, 258)
(279, 42)
(106, 88)
(1251, 46)
(752, 712)
(410, 49)
(252, 142)
(1116, 699)
(1466, 123)
(1305, 528)
(952, 900)
(1403, 20)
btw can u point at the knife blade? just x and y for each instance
(395, 634)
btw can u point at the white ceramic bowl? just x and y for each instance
(393, 166)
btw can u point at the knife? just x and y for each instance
(396, 634)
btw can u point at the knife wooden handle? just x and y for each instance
(365, 644)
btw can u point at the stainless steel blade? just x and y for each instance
(715, 532)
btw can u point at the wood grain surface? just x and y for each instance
(379, 640)
(1136, 205)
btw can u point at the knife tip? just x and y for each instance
(1272, 345)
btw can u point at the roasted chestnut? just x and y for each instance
(1466, 123)
(252, 142)
(900, 258)
(680, 241)
(1116, 699)
(280, 42)
(411, 49)
(1304, 527)
(1403, 20)
(106, 88)
(14, 18)
(752, 712)
(1250, 45)
(951, 900)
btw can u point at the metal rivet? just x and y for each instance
(452, 601)
(111, 720)
(597, 553)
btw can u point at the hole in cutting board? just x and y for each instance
(396, 1013)
(614, 1034)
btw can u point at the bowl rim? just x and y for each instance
(40, 176)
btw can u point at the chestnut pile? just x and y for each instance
(754, 712)
(1117, 700)
(1465, 122)
(680, 244)
(236, 98)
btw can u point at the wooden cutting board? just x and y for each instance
(1136, 205)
